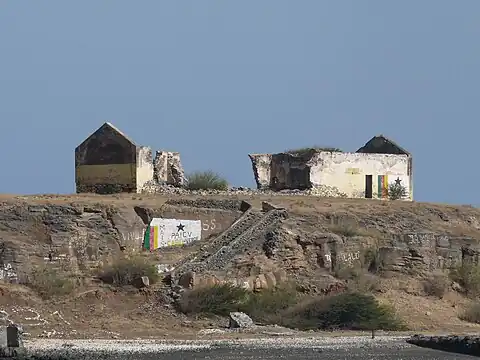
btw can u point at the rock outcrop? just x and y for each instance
(469, 345)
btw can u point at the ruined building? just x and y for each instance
(109, 162)
(366, 173)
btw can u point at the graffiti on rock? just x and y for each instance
(8, 273)
(171, 232)
(209, 225)
(347, 257)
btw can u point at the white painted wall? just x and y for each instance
(173, 232)
(144, 167)
(347, 171)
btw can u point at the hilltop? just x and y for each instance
(305, 240)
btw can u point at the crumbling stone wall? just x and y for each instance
(168, 169)
(145, 169)
(262, 167)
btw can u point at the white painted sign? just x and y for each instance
(171, 232)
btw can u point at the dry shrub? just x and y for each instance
(206, 180)
(214, 300)
(222, 299)
(283, 306)
(358, 279)
(346, 229)
(351, 310)
(125, 270)
(468, 276)
(49, 282)
(436, 284)
(472, 313)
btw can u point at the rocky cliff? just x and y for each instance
(254, 241)
(315, 235)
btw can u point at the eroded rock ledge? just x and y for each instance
(469, 345)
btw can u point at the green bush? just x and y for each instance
(206, 180)
(472, 313)
(353, 311)
(468, 276)
(49, 282)
(397, 191)
(124, 271)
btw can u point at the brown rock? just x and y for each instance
(141, 282)
(187, 280)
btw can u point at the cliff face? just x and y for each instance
(81, 235)
(318, 235)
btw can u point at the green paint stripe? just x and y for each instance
(146, 239)
(380, 190)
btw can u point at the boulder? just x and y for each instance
(240, 320)
(142, 282)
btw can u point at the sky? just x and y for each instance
(217, 79)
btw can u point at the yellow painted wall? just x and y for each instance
(106, 174)
(346, 171)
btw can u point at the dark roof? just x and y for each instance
(111, 127)
(380, 144)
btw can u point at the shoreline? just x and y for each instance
(157, 345)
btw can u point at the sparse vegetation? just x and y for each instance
(397, 191)
(344, 311)
(49, 282)
(346, 229)
(305, 150)
(467, 275)
(436, 285)
(124, 271)
(350, 310)
(225, 298)
(206, 180)
(358, 279)
(472, 313)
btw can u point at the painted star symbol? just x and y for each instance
(398, 181)
(180, 227)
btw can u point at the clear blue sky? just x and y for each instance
(216, 80)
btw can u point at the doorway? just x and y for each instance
(368, 186)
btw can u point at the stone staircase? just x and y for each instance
(247, 220)
(215, 255)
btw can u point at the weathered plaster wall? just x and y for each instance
(104, 160)
(168, 168)
(144, 167)
(347, 171)
(261, 164)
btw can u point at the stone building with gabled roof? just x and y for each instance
(367, 173)
(108, 162)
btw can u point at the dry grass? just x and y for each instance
(425, 314)
(125, 270)
(472, 313)
(49, 282)
(437, 284)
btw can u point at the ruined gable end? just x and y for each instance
(382, 145)
(105, 162)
